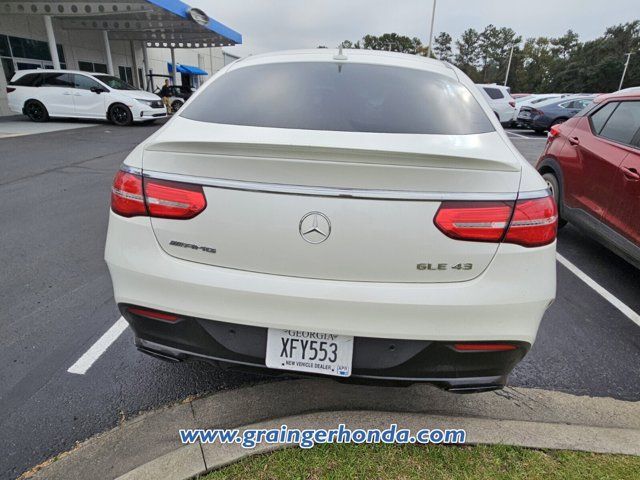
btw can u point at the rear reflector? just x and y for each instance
(484, 347)
(153, 314)
(532, 223)
(131, 196)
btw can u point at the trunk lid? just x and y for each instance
(273, 194)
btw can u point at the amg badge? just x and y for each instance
(175, 243)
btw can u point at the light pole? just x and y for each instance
(624, 72)
(506, 77)
(433, 16)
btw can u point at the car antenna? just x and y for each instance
(340, 55)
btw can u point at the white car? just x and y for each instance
(500, 100)
(43, 94)
(354, 214)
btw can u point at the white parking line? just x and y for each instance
(526, 137)
(604, 293)
(97, 349)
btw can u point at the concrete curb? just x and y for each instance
(148, 445)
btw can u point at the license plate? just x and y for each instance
(311, 352)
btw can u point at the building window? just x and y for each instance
(92, 67)
(125, 74)
(33, 49)
(18, 53)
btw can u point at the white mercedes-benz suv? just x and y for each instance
(357, 214)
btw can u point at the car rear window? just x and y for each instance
(340, 97)
(494, 93)
(28, 80)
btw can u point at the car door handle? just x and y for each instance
(630, 173)
(574, 141)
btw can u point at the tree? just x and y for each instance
(468, 53)
(349, 44)
(543, 64)
(442, 47)
(392, 42)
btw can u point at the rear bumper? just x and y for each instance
(375, 360)
(505, 302)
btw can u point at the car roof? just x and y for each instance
(556, 100)
(621, 95)
(50, 70)
(361, 56)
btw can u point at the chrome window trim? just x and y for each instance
(128, 169)
(337, 192)
(534, 194)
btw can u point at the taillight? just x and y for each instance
(127, 198)
(535, 111)
(512, 103)
(528, 222)
(11, 89)
(554, 131)
(534, 222)
(474, 221)
(132, 196)
(167, 199)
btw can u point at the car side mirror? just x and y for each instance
(97, 90)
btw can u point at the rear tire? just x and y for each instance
(36, 111)
(175, 106)
(120, 115)
(554, 186)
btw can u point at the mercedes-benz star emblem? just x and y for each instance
(315, 227)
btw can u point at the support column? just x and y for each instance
(173, 65)
(53, 48)
(107, 52)
(145, 68)
(134, 65)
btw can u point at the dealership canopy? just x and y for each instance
(156, 23)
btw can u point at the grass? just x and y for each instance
(429, 462)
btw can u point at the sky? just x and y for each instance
(268, 25)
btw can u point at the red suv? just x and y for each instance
(591, 163)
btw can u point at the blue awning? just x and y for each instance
(226, 35)
(190, 69)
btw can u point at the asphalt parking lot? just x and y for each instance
(56, 303)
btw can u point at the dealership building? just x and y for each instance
(142, 42)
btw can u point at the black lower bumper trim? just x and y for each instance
(375, 360)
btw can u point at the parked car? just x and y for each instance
(532, 101)
(363, 216)
(592, 165)
(552, 112)
(500, 100)
(44, 94)
(179, 95)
